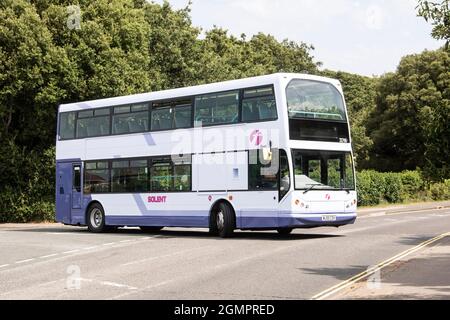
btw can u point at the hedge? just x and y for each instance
(391, 187)
(33, 200)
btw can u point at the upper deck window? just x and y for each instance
(93, 123)
(308, 99)
(251, 104)
(171, 115)
(259, 105)
(67, 125)
(220, 108)
(130, 119)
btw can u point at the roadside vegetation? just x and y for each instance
(400, 121)
(376, 188)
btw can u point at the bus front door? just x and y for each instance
(68, 191)
(76, 186)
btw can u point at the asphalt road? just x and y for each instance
(52, 261)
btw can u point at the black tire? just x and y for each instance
(150, 228)
(284, 231)
(223, 221)
(95, 218)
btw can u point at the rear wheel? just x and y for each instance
(224, 221)
(96, 218)
(150, 228)
(284, 231)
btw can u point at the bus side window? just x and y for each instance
(67, 125)
(76, 181)
(285, 179)
(262, 176)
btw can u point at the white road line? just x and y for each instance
(4, 265)
(108, 244)
(59, 233)
(124, 241)
(24, 261)
(159, 284)
(49, 256)
(90, 248)
(71, 251)
(118, 285)
(109, 283)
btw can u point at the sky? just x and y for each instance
(367, 37)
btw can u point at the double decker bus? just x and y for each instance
(264, 153)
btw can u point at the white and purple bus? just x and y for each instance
(263, 153)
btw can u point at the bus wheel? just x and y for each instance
(225, 220)
(150, 228)
(284, 231)
(96, 218)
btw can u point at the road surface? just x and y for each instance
(52, 261)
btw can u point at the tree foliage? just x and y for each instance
(410, 126)
(438, 13)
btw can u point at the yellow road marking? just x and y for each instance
(340, 286)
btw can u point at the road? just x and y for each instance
(51, 261)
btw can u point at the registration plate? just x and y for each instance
(329, 217)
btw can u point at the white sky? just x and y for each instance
(361, 36)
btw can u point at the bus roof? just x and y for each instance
(191, 91)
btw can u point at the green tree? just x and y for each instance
(438, 13)
(410, 126)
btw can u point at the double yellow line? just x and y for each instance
(340, 286)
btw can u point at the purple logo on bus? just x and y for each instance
(157, 199)
(256, 137)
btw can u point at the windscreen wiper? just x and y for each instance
(312, 185)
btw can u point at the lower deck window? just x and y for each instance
(96, 177)
(262, 175)
(129, 176)
(157, 174)
(169, 174)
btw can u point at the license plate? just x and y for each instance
(329, 217)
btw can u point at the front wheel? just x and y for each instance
(224, 221)
(96, 218)
(284, 231)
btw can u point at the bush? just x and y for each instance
(370, 187)
(412, 183)
(393, 187)
(375, 187)
(440, 191)
(27, 193)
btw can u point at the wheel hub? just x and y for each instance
(96, 218)
(220, 220)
